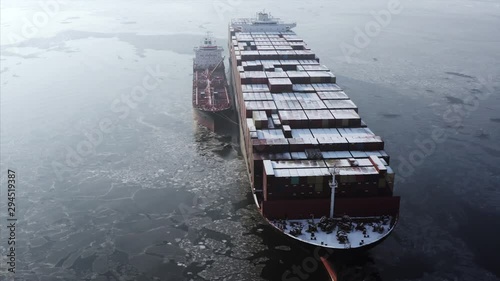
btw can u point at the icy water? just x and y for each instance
(116, 182)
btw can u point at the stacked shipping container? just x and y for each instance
(300, 130)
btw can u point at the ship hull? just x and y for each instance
(214, 121)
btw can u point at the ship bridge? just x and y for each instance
(207, 55)
(264, 22)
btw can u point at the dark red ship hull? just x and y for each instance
(211, 99)
(214, 121)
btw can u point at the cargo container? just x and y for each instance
(288, 104)
(312, 104)
(332, 143)
(293, 118)
(324, 87)
(303, 88)
(301, 144)
(367, 143)
(268, 106)
(276, 74)
(306, 96)
(277, 85)
(260, 119)
(256, 96)
(340, 104)
(346, 118)
(255, 88)
(314, 67)
(298, 77)
(270, 145)
(320, 118)
(320, 77)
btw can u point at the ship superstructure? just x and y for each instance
(317, 172)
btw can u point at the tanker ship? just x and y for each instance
(318, 174)
(211, 99)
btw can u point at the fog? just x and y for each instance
(112, 187)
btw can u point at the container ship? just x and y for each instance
(318, 174)
(211, 99)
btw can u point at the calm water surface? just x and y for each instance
(154, 197)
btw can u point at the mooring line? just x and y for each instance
(330, 269)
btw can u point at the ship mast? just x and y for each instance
(333, 186)
(216, 67)
(208, 91)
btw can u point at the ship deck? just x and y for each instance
(361, 232)
(214, 98)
